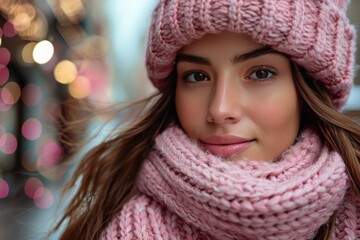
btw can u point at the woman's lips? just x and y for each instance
(226, 146)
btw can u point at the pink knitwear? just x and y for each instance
(187, 193)
(316, 34)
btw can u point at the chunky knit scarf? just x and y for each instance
(187, 193)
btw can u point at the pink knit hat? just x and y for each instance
(314, 33)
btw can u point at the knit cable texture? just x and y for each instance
(316, 34)
(187, 193)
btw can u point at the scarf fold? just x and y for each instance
(187, 193)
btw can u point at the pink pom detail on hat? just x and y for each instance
(316, 34)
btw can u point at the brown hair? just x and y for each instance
(338, 130)
(108, 172)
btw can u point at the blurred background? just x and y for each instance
(52, 51)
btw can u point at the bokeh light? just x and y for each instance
(31, 129)
(4, 56)
(53, 152)
(50, 155)
(31, 187)
(10, 143)
(2, 133)
(21, 22)
(43, 52)
(27, 52)
(43, 198)
(15, 90)
(5, 98)
(28, 160)
(80, 88)
(23, 16)
(33, 42)
(9, 29)
(40, 28)
(65, 72)
(31, 94)
(4, 74)
(73, 9)
(4, 188)
(10, 93)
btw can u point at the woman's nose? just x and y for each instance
(224, 103)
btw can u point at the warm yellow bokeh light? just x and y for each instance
(22, 21)
(26, 8)
(27, 51)
(80, 88)
(14, 89)
(65, 72)
(72, 8)
(43, 52)
(39, 29)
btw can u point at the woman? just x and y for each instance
(244, 139)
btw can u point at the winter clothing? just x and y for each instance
(316, 34)
(184, 192)
(187, 193)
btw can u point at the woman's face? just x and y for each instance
(236, 98)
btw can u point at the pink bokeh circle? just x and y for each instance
(4, 188)
(32, 186)
(9, 145)
(4, 56)
(9, 30)
(31, 129)
(45, 198)
(4, 74)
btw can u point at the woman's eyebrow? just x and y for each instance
(182, 57)
(254, 53)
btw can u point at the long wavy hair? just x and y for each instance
(107, 174)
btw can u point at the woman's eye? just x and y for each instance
(261, 74)
(196, 77)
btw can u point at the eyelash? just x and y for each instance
(186, 76)
(269, 69)
(252, 71)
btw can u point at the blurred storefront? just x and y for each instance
(50, 52)
(54, 52)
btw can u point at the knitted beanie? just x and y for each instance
(316, 34)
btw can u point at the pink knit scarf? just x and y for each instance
(186, 193)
